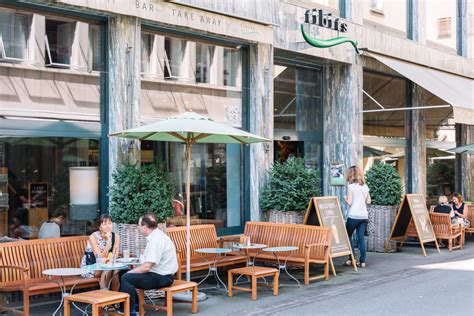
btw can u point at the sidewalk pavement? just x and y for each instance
(381, 268)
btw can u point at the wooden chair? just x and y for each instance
(443, 229)
(470, 217)
(98, 299)
(178, 286)
(22, 264)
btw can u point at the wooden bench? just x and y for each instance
(178, 286)
(313, 244)
(254, 272)
(470, 217)
(202, 236)
(443, 229)
(98, 299)
(22, 264)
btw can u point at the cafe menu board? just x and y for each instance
(326, 212)
(413, 206)
(38, 194)
(421, 217)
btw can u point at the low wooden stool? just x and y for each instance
(255, 272)
(98, 299)
(178, 286)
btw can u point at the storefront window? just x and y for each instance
(297, 114)
(35, 178)
(384, 129)
(13, 35)
(441, 23)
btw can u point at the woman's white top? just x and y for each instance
(358, 209)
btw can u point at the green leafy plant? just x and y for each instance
(290, 186)
(137, 190)
(385, 184)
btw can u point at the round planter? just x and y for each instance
(381, 220)
(289, 217)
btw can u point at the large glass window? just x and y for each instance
(35, 183)
(13, 35)
(441, 21)
(384, 129)
(297, 114)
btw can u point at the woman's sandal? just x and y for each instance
(348, 263)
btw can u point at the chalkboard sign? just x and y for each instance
(39, 194)
(326, 212)
(413, 206)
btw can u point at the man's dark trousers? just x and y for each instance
(146, 281)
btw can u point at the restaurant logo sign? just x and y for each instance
(325, 19)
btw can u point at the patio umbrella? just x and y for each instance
(190, 128)
(466, 149)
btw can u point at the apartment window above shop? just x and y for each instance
(13, 36)
(58, 42)
(176, 65)
(204, 57)
(387, 16)
(441, 24)
(232, 67)
(94, 48)
(444, 28)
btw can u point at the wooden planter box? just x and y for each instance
(381, 219)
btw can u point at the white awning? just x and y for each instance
(456, 90)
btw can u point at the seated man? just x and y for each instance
(159, 262)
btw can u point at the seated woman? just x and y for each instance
(460, 211)
(103, 244)
(444, 206)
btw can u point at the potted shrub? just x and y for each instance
(385, 185)
(289, 188)
(136, 190)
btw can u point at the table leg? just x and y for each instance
(284, 267)
(62, 287)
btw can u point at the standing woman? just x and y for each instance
(103, 244)
(357, 198)
(460, 210)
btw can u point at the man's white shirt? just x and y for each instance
(161, 251)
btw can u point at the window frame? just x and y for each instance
(13, 16)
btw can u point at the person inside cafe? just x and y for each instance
(103, 245)
(460, 210)
(52, 228)
(159, 262)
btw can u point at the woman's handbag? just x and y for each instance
(90, 257)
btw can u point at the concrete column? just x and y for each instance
(343, 122)
(415, 132)
(124, 88)
(260, 121)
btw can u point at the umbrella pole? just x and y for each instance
(188, 210)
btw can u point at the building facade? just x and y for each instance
(73, 71)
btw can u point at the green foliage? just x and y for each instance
(290, 186)
(439, 175)
(137, 190)
(385, 184)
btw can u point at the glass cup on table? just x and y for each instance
(126, 254)
(98, 261)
